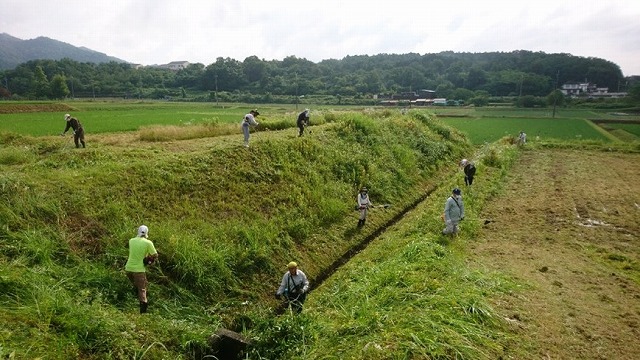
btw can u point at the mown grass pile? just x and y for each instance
(224, 220)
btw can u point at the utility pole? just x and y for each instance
(216, 77)
(521, 82)
(555, 95)
(297, 99)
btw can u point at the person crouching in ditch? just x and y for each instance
(294, 287)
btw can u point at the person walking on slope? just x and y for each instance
(78, 130)
(247, 121)
(453, 212)
(294, 286)
(303, 120)
(469, 171)
(363, 205)
(141, 252)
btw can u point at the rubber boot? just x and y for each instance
(360, 223)
(143, 307)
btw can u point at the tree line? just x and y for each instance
(451, 75)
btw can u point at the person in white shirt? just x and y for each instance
(247, 121)
(522, 138)
(363, 205)
(294, 286)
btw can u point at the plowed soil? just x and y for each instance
(567, 226)
(10, 108)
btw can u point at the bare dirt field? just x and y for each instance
(567, 226)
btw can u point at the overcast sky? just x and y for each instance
(160, 31)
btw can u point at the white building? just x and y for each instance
(176, 65)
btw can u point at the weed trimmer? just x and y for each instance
(384, 206)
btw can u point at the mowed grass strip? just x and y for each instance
(625, 132)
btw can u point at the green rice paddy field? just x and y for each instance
(481, 125)
(481, 130)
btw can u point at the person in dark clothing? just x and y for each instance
(303, 120)
(78, 130)
(469, 171)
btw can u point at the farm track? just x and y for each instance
(566, 226)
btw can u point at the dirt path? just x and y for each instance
(567, 227)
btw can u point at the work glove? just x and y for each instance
(148, 260)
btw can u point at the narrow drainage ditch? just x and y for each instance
(226, 344)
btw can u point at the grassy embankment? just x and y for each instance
(409, 294)
(224, 220)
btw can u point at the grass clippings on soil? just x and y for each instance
(567, 226)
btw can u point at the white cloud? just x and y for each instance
(160, 31)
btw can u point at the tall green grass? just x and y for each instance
(409, 294)
(224, 219)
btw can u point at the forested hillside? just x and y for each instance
(449, 74)
(14, 51)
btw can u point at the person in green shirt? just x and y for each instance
(141, 252)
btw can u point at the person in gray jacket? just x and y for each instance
(453, 212)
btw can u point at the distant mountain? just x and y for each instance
(14, 51)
